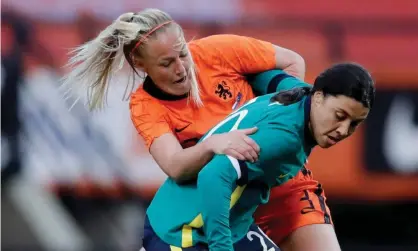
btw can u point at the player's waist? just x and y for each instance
(174, 233)
(184, 235)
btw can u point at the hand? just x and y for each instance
(235, 144)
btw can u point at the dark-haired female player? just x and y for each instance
(216, 211)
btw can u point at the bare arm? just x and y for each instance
(184, 164)
(290, 61)
(247, 55)
(178, 163)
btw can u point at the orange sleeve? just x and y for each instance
(245, 55)
(148, 118)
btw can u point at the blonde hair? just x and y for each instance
(94, 63)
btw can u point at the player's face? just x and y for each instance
(334, 118)
(167, 60)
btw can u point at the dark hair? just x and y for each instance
(348, 79)
(291, 96)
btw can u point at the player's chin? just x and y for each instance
(325, 143)
(181, 89)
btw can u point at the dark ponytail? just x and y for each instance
(291, 96)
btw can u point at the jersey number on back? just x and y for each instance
(250, 235)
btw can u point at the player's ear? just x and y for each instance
(139, 63)
(318, 98)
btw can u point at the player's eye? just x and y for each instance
(165, 64)
(340, 116)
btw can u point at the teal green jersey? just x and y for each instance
(217, 208)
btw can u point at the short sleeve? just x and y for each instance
(245, 55)
(274, 81)
(148, 118)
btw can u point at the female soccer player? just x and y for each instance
(188, 89)
(216, 211)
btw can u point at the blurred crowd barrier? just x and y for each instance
(100, 155)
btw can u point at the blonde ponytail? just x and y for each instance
(195, 90)
(94, 63)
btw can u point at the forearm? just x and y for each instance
(186, 163)
(215, 184)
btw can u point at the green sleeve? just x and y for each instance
(217, 180)
(215, 184)
(274, 81)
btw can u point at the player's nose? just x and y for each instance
(343, 129)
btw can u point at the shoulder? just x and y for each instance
(288, 119)
(210, 47)
(277, 140)
(219, 38)
(142, 104)
(222, 39)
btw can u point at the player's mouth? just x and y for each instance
(332, 140)
(181, 80)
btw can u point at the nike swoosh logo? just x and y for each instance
(181, 129)
(281, 176)
(400, 146)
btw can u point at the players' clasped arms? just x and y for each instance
(251, 154)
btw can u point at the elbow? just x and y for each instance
(300, 61)
(179, 172)
(170, 161)
(180, 176)
(291, 62)
(298, 66)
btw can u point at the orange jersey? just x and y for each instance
(222, 62)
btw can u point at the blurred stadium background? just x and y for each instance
(81, 181)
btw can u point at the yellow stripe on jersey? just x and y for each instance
(173, 248)
(236, 195)
(186, 236)
(186, 232)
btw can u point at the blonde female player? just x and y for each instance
(188, 89)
